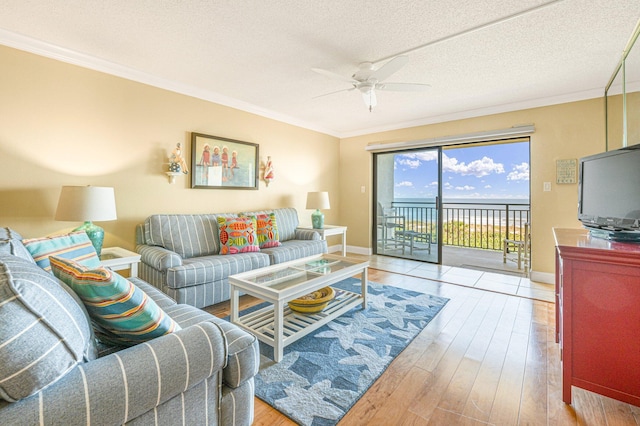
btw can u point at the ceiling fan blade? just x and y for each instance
(403, 87)
(333, 75)
(331, 93)
(390, 67)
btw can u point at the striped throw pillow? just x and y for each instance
(123, 313)
(237, 235)
(75, 245)
(44, 332)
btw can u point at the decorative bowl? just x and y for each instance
(313, 303)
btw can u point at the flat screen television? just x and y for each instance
(609, 193)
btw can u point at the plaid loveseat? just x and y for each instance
(52, 371)
(180, 254)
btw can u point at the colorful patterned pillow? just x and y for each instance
(267, 231)
(123, 313)
(237, 235)
(75, 245)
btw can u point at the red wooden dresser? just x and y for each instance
(598, 315)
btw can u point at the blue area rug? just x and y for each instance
(323, 375)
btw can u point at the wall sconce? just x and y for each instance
(177, 165)
(268, 171)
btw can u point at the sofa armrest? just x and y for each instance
(307, 234)
(122, 386)
(161, 299)
(158, 258)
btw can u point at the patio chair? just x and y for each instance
(522, 249)
(388, 224)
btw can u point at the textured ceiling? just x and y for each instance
(258, 55)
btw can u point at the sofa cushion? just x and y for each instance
(187, 235)
(295, 249)
(237, 235)
(11, 243)
(208, 269)
(287, 223)
(124, 314)
(44, 332)
(75, 245)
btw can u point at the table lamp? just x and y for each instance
(87, 204)
(318, 201)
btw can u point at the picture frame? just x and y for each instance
(223, 163)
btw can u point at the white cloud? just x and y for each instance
(465, 188)
(424, 155)
(519, 172)
(415, 159)
(405, 183)
(477, 168)
(434, 183)
(487, 186)
(412, 164)
(447, 185)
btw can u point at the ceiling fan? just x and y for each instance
(369, 79)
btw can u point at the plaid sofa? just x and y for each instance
(202, 374)
(180, 254)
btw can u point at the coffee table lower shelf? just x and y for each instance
(295, 325)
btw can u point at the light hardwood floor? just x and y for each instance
(486, 358)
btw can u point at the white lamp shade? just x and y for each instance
(86, 203)
(318, 200)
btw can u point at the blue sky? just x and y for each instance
(482, 172)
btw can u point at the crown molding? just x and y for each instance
(48, 50)
(481, 112)
(69, 56)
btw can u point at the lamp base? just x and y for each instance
(95, 234)
(317, 219)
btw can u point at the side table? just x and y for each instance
(117, 258)
(329, 230)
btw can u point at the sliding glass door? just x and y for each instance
(407, 204)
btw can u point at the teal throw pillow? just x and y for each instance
(75, 245)
(123, 313)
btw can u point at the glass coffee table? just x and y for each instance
(277, 325)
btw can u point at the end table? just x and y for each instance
(117, 258)
(331, 230)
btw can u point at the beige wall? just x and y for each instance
(570, 130)
(65, 125)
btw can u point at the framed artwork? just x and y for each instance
(221, 163)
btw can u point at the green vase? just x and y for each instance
(95, 234)
(317, 219)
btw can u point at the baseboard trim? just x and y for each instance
(542, 277)
(366, 251)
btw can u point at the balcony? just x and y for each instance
(473, 233)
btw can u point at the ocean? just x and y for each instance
(469, 210)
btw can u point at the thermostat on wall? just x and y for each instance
(566, 171)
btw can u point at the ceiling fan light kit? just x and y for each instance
(368, 79)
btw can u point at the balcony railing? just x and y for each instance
(482, 225)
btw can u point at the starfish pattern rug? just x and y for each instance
(322, 375)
